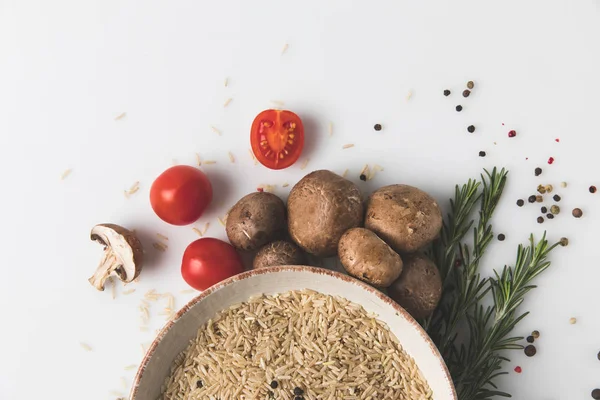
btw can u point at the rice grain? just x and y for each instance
(215, 130)
(66, 173)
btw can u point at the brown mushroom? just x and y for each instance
(321, 207)
(255, 220)
(278, 253)
(365, 256)
(405, 217)
(419, 287)
(123, 254)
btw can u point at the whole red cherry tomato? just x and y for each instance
(180, 195)
(208, 261)
(277, 138)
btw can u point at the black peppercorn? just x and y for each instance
(539, 198)
(482, 154)
(535, 334)
(564, 241)
(459, 108)
(274, 384)
(556, 198)
(544, 210)
(446, 93)
(596, 394)
(520, 202)
(471, 128)
(466, 93)
(577, 213)
(538, 171)
(530, 350)
(501, 237)
(592, 189)
(540, 220)
(599, 355)
(199, 384)
(298, 391)
(550, 216)
(531, 198)
(530, 339)
(470, 84)
(363, 177)
(377, 127)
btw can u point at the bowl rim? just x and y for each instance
(294, 268)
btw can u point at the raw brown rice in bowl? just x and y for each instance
(270, 346)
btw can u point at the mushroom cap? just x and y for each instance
(405, 217)
(278, 253)
(124, 245)
(321, 207)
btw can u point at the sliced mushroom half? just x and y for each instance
(123, 254)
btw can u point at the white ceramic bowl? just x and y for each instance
(176, 335)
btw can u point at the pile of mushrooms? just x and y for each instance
(380, 243)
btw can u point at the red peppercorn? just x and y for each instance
(518, 369)
(557, 140)
(512, 133)
(260, 189)
(550, 160)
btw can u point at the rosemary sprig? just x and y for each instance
(465, 287)
(489, 328)
(477, 361)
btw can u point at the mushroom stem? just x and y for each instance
(108, 264)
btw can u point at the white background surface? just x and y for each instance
(68, 68)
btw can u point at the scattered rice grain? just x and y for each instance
(198, 160)
(285, 47)
(221, 221)
(345, 173)
(231, 157)
(347, 146)
(278, 102)
(330, 128)
(129, 291)
(209, 162)
(66, 173)
(130, 367)
(226, 82)
(187, 291)
(159, 246)
(304, 164)
(197, 231)
(215, 130)
(227, 102)
(86, 346)
(206, 226)
(120, 116)
(285, 184)
(161, 236)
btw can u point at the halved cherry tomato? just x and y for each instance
(277, 138)
(180, 195)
